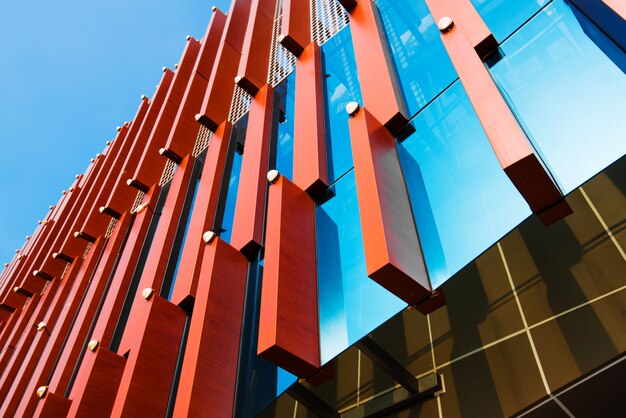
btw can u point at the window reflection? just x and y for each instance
(562, 78)
(503, 17)
(341, 86)
(422, 64)
(462, 200)
(350, 304)
(282, 126)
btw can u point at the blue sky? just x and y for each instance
(70, 72)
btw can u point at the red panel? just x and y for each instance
(379, 87)
(12, 337)
(255, 54)
(296, 25)
(505, 135)
(392, 249)
(96, 384)
(209, 372)
(203, 216)
(288, 328)
(146, 381)
(183, 135)
(54, 406)
(26, 398)
(156, 262)
(107, 319)
(309, 145)
(247, 234)
(89, 307)
(216, 103)
(150, 165)
(464, 13)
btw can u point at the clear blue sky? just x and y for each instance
(70, 72)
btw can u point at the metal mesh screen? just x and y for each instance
(86, 252)
(110, 228)
(138, 200)
(327, 18)
(202, 141)
(168, 172)
(282, 62)
(240, 104)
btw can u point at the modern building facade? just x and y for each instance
(342, 208)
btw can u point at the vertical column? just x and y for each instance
(288, 324)
(507, 139)
(203, 217)
(249, 217)
(209, 372)
(379, 86)
(182, 137)
(255, 54)
(296, 25)
(216, 103)
(309, 146)
(392, 250)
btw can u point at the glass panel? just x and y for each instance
(503, 17)
(422, 64)
(462, 200)
(563, 80)
(282, 131)
(350, 304)
(259, 382)
(341, 86)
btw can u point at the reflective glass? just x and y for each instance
(505, 16)
(282, 132)
(350, 304)
(341, 86)
(462, 200)
(562, 78)
(422, 63)
(226, 228)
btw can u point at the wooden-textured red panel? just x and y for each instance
(379, 86)
(288, 328)
(96, 384)
(255, 54)
(309, 144)
(296, 25)
(23, 398)
(392, 249)
(54, 406)
(89, 307)
(109, 313)
(147, 377)
(507, 139)
(209, 372)
(150, 165)
(464, 13)
(247, 235)
(218, 97)
(183, 135)
(203, 216)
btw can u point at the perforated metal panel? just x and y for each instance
(86, 252)
(328, 17)
(110, 228)
(168, 172)
(138, 200)
(202, 141)
(282, 62)
(240, 104)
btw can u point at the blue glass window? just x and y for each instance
(282, 132)
(341, 86)
(562, 78)
(422, 63)
(503, 17)
(351, 305)
(462, 200)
